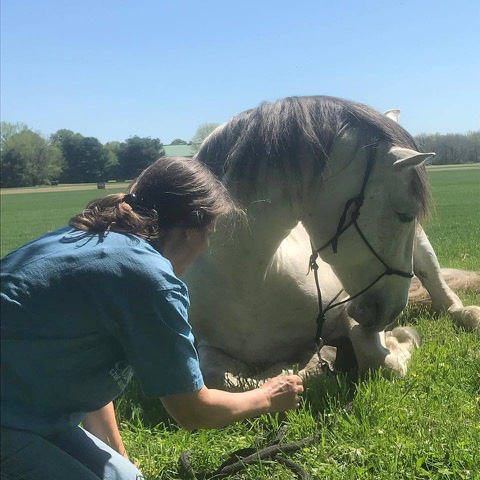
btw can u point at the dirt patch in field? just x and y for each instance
(62, 188)
(444, 168)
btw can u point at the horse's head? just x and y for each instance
(363, 223)
(312, 157)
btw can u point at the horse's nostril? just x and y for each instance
(371, 307)
(368, 312)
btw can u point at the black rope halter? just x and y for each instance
(357, 202)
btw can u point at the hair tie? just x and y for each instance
(130, 199)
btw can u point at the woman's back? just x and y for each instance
(82, 306)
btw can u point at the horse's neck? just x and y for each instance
(272, 216)
(253, 243)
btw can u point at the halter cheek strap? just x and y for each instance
(341, 228)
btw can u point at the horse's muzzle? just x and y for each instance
(372, 313)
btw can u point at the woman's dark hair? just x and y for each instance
(172, 192)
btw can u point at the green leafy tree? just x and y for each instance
(203, 131)
(113, 167)
(66, 140)
(60, 137)
(136, 154)
(85, 158)
(28, 159)
(93, 160)
(179, 141)
(8, 129)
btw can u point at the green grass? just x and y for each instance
(462, 166)
(423, 426)
(25, 216)
(454, 229)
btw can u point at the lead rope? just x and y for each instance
(242, 458)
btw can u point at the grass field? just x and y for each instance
(26, 216)
(423, 426)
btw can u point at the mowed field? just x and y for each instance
(423, 426)
(25, 216)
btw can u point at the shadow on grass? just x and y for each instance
(133, 406)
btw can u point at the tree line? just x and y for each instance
(28, 158)
(451, 148)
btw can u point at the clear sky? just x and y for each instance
(116, 68)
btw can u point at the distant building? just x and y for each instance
(178, 150)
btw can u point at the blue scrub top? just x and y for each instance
(80, 314)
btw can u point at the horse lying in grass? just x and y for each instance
(326, 177)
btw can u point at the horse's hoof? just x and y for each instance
(468, 318)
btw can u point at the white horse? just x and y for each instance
(314, 172)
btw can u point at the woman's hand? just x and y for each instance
(283, 392)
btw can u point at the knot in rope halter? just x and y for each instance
(341, 228)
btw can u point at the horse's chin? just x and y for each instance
(371, 316)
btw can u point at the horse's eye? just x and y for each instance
(405, 217)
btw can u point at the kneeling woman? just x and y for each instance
(86, 306)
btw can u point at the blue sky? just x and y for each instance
(113, 69)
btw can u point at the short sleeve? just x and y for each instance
(153, 330)
(158, 344)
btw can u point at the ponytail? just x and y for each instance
(114, 213)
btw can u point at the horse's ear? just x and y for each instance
(393, 114)
(408, 158)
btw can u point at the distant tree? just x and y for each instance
(9, 129)
(67, 141)
(179, 141)
(60, 137)
(85, 158)
(113, 167)
(475, 139)
(29, 159)
(93, 160)
(203, 131)
(136, 154)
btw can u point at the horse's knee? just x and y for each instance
(405, 335)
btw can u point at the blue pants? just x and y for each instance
(71, 455)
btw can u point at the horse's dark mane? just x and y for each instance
(281, 130)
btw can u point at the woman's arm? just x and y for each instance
(208, 408)
(103, 424)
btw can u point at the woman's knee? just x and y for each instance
(104, 461)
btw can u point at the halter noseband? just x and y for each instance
(357, 201)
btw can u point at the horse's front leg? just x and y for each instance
(220, 370)
(427, 269)
(224, 372)
(391, 350)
